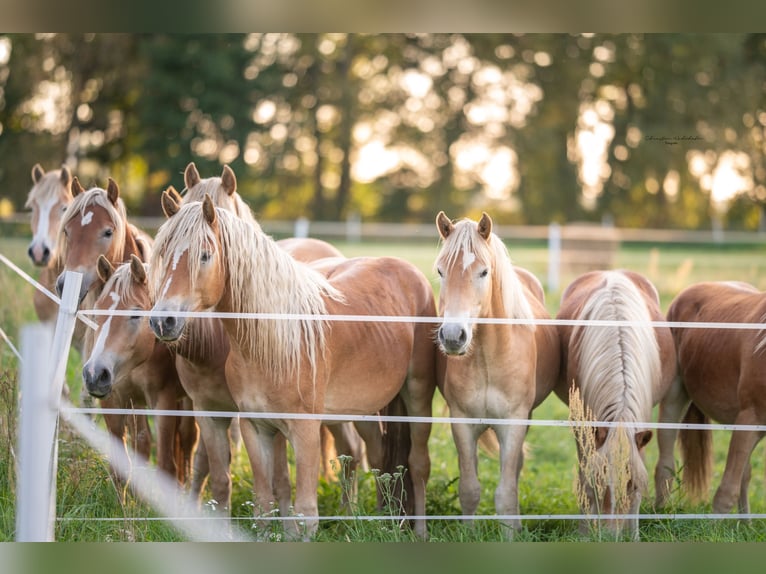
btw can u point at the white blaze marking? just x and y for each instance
(468, 259)
(43, 221)
(87, 218)
(103, 334)
(178, 254)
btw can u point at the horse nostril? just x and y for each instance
(169, 323)
(30, 253)
(60, 286)
(462, 337)
(46, 253)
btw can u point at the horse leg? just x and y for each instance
(305, 438)
(469, 489)
(259, 443)
(371, 434)
(744, 502)
(511, 438)
(418, 397)
(281, 483)
(215, 436)
(201, 469)
(740, 448)
(187, 435)
(672, 408)
(166, 434)
(115, 424)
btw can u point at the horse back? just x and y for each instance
(721, 368)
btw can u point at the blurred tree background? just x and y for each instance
(655, 130)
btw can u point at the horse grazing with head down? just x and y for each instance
(48, 199)
(492, 370)
(207, 258)
(619, 373)
(720, 378)
(128, 365)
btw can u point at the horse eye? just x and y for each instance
(63, 208)
(439, 271)
(484, 273)
(205, 257)
(108, 232)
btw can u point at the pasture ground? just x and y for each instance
(88, 508)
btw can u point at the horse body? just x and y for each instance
(206, 258)
(48, 199)
(620, 373)
(130, 367)
(721, 375)
(202, 353)
(491, 370)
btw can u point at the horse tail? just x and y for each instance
(697, 454)
(396, 449)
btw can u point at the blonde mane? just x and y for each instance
(465, 238)
(213, 187)
(617, 365)
(95, 197)
(261, 278)
(49, 187)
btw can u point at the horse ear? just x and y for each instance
(208, 210)
(444, 225)
(104, 268)
(76, 187)
(643, 438)
(37, 173)
(137, 269)
(485, 226)
(112, 191)
(171, 202)
(191, 175)
(66, 176)
(229, 180)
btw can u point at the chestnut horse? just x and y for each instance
(201, 355)
(720, 378)
(207, 258)
(96, 224)
(492, 370)
(128, 365)
(48, 199)
(620, 372)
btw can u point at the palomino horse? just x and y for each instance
(492, 370)
(48, 199)
(202, 352)
(128, 365)
(207, 258)
(96, 224)
(721, 375)
(620, 373)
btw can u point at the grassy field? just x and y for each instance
(89, 509)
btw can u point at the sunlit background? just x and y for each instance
(657, 130)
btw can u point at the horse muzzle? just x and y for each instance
(40, 255)
(98, 380)
(87, 281)
(167, 328)
(454, 338)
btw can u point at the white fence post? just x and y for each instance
(301, 228)
(554, 256)
(36, 420)
(43, 373)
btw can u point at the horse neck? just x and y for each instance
(205, 340)
(131, 246)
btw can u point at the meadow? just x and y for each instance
(89, 509)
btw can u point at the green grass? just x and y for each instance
(85, 492)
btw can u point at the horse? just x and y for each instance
(201, 355)
(491, 370)
(96, 224)
(207, 258)
(720, 379)
(619, 373)
(48, 199)
(128, 365)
